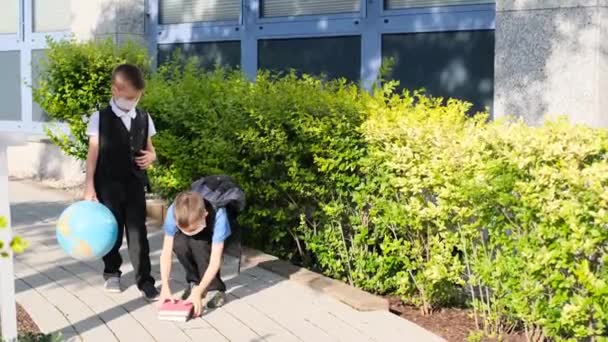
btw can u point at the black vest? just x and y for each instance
(118, 147)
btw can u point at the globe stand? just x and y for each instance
(8, 307)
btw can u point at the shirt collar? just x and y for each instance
(120, 113)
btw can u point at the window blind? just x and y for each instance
(400, 4)
(287, 8)
(191, 11)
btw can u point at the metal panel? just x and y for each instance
(192, 11)
(450, 18)
(249, 42)
(9, 16)
(288, 8)
(400, 4)
(193, 33)
(51, 15)
(10, 85)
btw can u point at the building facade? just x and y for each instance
(530, 58)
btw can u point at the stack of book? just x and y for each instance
(178, 311)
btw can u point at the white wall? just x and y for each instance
(43, 161)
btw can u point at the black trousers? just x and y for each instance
(194, 254)
(127, 201)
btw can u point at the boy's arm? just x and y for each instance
(147, 156)
(166, 255)
(165, 268)
(91, 165)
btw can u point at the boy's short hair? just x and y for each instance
(131, 73)
(189, 209)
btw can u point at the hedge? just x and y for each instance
(397, 193)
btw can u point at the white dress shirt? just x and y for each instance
(125, 117)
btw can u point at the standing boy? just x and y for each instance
(197, 225)
(120, 150)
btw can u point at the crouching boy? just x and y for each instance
(196, 228)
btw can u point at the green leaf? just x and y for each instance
(18, 245)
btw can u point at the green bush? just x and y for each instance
(75, 80)
(279, 137)
(400, 193)
(17, 244)
(30, 337)
(197, 115)
(514, 215)
(403, 193)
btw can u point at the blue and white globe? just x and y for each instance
(87, 230)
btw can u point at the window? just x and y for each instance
(209, 54)
(10, 85)
(448, 64)
(38, 57)
(9, 16)
(191, 11)
(287, 8)
(400, 4)
(332, 56)
(51, 15)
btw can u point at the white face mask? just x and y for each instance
(196, 231)
(125, 104)
(202, 225)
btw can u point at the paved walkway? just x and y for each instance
(65, 295)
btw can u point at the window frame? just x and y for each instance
(25, 41)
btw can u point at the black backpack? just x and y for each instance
(222, 191)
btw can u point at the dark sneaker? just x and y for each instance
(149, 292)
(216, 299)
(188, 291)
(112, 285)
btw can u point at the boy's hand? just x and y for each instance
(145, 159)
(196, 298)
(89, 193)
(165, 295)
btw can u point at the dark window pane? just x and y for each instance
(333, 57)
(447, 64)
(38, 57)
(10, 85)
(209, 54)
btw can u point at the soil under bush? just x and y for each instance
(453, 324)
(25, 324)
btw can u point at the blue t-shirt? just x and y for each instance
(221, 229)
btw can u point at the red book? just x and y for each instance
(179, 311)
